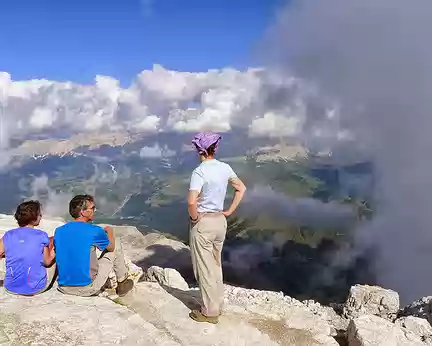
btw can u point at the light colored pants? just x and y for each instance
(206, 241)
(100, 269)
(51, 276)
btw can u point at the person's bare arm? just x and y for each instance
(193, 204)
(240, 190)
(2, 249)
(195, 186)
(49, 257)
(111, 236)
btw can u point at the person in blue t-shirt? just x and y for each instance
(30, 267)
(80, 271)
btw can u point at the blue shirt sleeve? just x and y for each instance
(197, 181)
(100, 238)
(45, 239)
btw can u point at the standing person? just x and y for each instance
(81, 273)
(206, 198)
(30, 267)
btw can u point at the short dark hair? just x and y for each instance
(28, 212)
(78, 204)
(210, 150)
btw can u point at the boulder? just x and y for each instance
(300, 318)
(169, 309)
(150, 315)
(329, 314)
(157, 312)
(315, 323)
(135, 273)
(371, 300)
(154, 249)
(166, 277)
(143, 251)
(420, 308)
(370, 330)
(416, 325)
(55, 319)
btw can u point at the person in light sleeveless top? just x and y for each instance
(207, 192)
(30, 267)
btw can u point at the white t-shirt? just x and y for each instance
(211, 179)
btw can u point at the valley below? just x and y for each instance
(294, 232)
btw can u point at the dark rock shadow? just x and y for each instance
(191, 299)
(299, 270)
(166, 257)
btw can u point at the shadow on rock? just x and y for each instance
(191, 299)
(166, 257)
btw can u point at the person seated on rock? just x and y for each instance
(30, 267)
(80, 272)
(206, 198)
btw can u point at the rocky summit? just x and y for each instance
(156, 312)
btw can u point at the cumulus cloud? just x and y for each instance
(156, 151)
(276, 125)
(159, 100)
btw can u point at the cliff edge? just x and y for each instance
(156, 312)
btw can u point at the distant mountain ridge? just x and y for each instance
(262, 149)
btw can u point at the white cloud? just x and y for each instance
(41, 118)
(275, 125)
(156, 151)
(148, 124)
(159, 100)
(53, 203)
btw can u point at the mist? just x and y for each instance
(373, 59)
(297, 211)
(55, 203)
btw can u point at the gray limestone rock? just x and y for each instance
(370, 330)
(371, 300)
(420, 308)
(166, 277)
(416, 325)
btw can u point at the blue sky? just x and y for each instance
(76, 39)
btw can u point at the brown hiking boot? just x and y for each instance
(197, 316)
(124, 287)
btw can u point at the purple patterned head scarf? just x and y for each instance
(204, 140)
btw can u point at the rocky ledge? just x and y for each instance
(156, 312)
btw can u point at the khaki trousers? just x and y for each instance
(206, 241)
(100, 269)
(51, 276)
